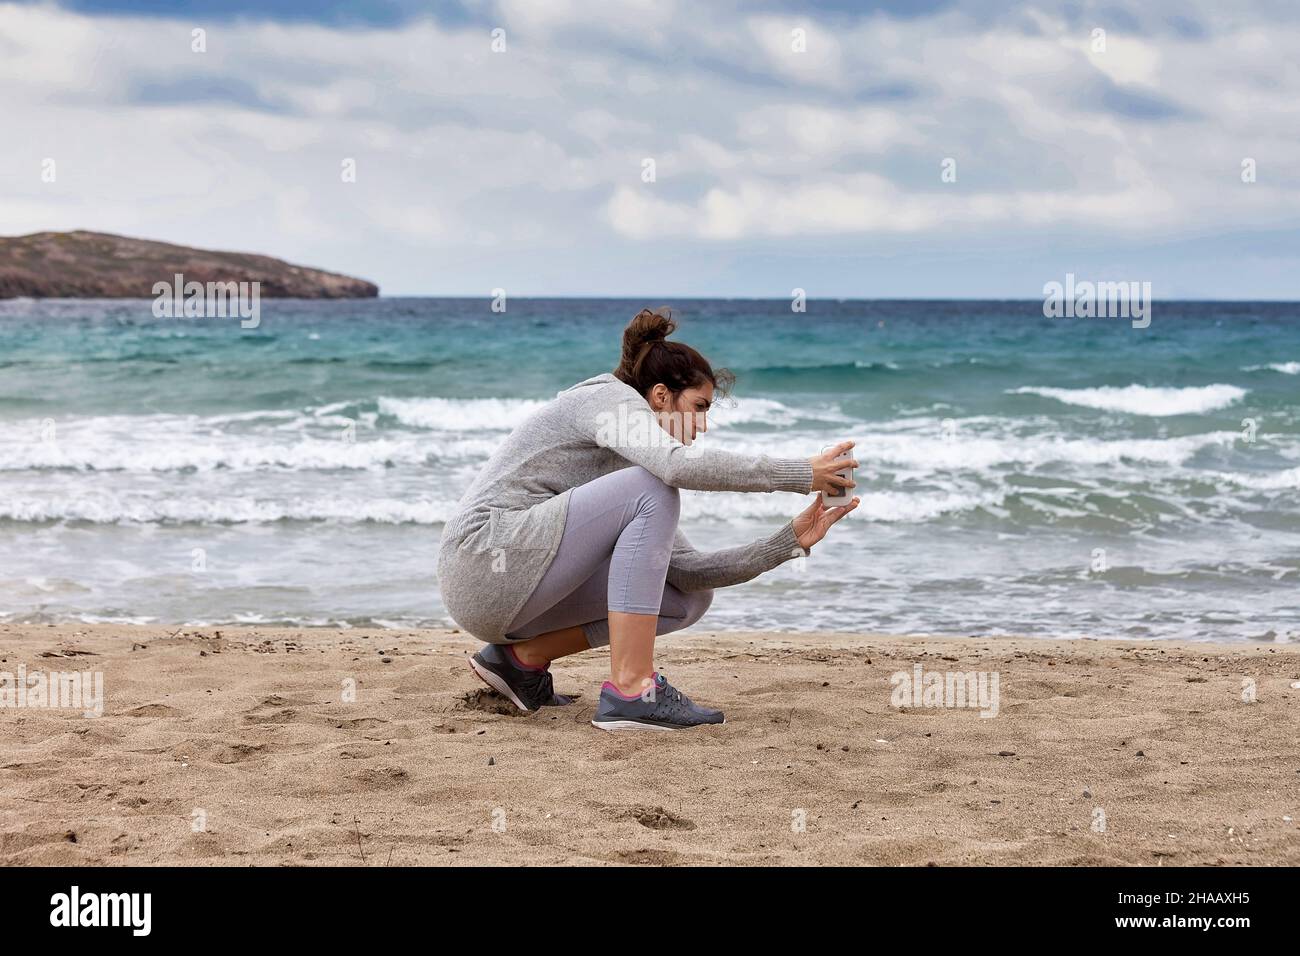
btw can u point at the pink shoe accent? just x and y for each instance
(613, 688)
(514, 658)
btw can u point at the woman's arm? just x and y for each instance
(616, 418)
(691, 570)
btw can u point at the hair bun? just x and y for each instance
(675, 364)
(645, 329)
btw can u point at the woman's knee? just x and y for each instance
(656, 491)
(697, 602)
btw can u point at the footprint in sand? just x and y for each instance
(238, 753)
(488, 702)
(152, 710)
(382, 778)
(656, 818)
(286, 716)
(360, 723)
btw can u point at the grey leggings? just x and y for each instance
(618, 539)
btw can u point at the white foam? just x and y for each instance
(882, 506)
(1286, 368)
(767, 411)
(1143, 399)
(161, 443)
(927, 450)
(192, 452)
(111, 509)
(895, 506)
(101, 619)
(1274, 481)
(460, 414)
(503, 414)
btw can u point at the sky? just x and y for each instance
(655, 148)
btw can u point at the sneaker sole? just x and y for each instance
(617, 725)
(497, 684)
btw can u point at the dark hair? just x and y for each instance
(649, 358)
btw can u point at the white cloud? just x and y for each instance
(867, 203)
(798, 48)
(1126, 60)
(827, 132)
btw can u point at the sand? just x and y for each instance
(237, 747)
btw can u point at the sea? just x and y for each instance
(1020, 474)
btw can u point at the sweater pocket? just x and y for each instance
(517, 529)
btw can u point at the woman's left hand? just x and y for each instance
(811, 524)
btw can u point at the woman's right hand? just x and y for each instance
(825, 468)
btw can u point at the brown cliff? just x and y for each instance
(95, 265)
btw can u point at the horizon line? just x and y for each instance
(748, 298)
(664, 300)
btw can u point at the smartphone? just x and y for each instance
(840, 496)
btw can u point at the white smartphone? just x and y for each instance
(840, 496)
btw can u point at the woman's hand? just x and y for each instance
(811, 524)
(825, 468)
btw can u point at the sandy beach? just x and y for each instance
(242, 746)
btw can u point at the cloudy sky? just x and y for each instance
(774, 167)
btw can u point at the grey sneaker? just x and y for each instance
(527, 688)
(661, 707)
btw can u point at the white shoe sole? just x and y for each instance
(497, 684)
(616, 725)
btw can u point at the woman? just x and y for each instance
(567, 539)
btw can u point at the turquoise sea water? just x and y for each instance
(1020, 474)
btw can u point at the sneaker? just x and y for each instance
(661, 707)
(528, 688)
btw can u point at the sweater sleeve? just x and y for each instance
(621, 421)
(691, 570)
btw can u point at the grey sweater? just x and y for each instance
(508, 524)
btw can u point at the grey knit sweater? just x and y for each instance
(508, 524)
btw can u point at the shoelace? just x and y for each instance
(539, 684)
(682, 704)
(672, 692)
(546, 687)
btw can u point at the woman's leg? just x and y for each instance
(581, 620)
(622, 523)
(541, 650)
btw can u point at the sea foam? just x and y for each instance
(1142, 399)
(1286, 368)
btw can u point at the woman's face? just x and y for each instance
(682, 415)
